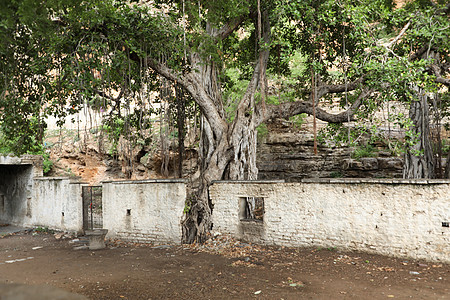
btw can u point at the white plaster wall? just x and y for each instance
(397, 219)
(57, 204)
(156, 210)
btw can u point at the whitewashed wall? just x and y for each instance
(391, 217)
(56, 204)
(144, 211)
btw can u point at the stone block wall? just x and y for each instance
(390, 217)
(290, 156)
(144, 211)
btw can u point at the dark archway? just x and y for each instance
(16, 189)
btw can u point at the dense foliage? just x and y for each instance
(56, 56)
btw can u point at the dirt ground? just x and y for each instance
(222, 269)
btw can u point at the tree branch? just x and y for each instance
(418, 53)
(260, 66)
(230, 27)
(443, 80)
(193, 85)
(104, 95)
(439, 79)
(402, 32)
(163, 70)
(338, 88)
(289, 109)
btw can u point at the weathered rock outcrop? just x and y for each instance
(290, 156)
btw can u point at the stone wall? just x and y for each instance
(144, 211)
(16, 187)
(57, 204)
(290, 156)
(390, 217)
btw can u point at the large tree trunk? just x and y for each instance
(419, 156)
(420, 161)
(227, 154)
(226, 158)
(198, 221)
(227, 150)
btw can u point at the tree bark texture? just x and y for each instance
(419, 156)
(227, 150)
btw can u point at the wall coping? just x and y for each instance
(344, 181)
(27, 159)
(376, 180)
(249, 181)
(83, 183)
(51, 178)
(305, 180)
(146, 181)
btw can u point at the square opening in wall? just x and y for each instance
(251, 208)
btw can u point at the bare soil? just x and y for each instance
(221, 269)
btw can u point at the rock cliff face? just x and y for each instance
(285, 152)
(290, 156)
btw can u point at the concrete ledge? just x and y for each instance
(376, 180)
(147, 181)
(72, 180)
(79, 182)
(249, 181)
(10, 160)
(22, 160)
(51, 178)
